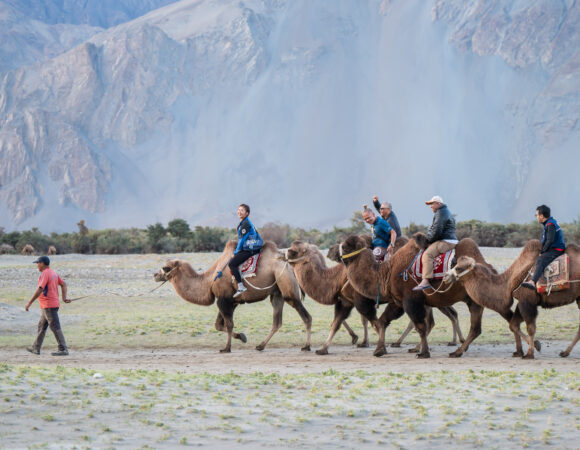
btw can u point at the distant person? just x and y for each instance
(441, 238)
(47, 295)
(249, 243)
(383, 235)
(552, 244)
(385, 209)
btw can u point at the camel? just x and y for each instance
(274, 278)
(51, 250)
(448, 311)
(387, 281)
(497, 292)
(327, 287)
(28, 250)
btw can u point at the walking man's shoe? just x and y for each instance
(33, 350)
(60, 353)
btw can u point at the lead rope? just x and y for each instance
(272, 285)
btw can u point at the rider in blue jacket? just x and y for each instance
(384, 236)
(249, 243)
(552, 244)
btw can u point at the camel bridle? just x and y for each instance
(456, 276)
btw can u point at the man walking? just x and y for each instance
(47, 295)
(441, 237)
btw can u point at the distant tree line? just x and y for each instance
(178, 237)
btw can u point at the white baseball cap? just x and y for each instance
(434, 199)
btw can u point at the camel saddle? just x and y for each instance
(250, 266)
(556, 277)
(441, 264)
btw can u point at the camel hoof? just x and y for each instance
(518, 354)
(456, 354)
(380, 352)
(424, 355)
(242, 337)
(354, 339)
(226, 350)
(306, 348)
(538, 345)
(260, 347)
(396, 345)
(363, 344)
(528, 356)
(413, 350)
(452, 344)
(322, 351)
(564, 354)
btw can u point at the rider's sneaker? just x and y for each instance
(240, 291)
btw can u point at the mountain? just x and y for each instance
(302, 109)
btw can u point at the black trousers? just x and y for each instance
(544, 261)
(237, 260)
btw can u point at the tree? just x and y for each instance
(154, 235)
(179, 228)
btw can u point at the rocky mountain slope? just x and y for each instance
(302, 109)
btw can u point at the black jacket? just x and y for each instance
(443, 226)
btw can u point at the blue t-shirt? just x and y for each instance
(381, 233)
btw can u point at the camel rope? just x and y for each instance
(120, 295)
(351, 254)
(272, 285)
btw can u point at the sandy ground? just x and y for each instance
(293, 361)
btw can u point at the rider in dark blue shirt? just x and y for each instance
(552, 244)
(383, 235)
(249, 243)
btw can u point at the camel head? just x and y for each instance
(167, 271)
(297, 251)
(351, 247)
(334, 253)
(465, 264)
(421, 240)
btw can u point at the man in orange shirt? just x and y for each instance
(47, 295)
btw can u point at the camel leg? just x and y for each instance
(452, 315)
(341, 312)
(306, 318)
(515, 323)
(353, 335)
(226, 307)
(220, 326)
(278, 306)
(410, 327)
(365, 324)
(566, 352)
(392, 312)
(418, 312)
(476, 313)
(529, 312)
(430, 321)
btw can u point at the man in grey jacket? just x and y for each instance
(441, 237)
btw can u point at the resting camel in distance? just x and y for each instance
(368, 278)
(496, 292)
(28, 250)
(273, 278)
(449, 311)
(51, 250)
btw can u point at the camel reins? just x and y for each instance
(351, 254)
(121, 295)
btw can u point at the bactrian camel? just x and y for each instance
(274, 278)
(387, 279)
(497, 292)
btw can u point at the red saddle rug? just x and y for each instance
(440, 264)
(250, 266)
(556, 277)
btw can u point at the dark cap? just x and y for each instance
(42, 259)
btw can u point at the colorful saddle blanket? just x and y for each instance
(250, 266)
(556, 277)
(441, 264)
